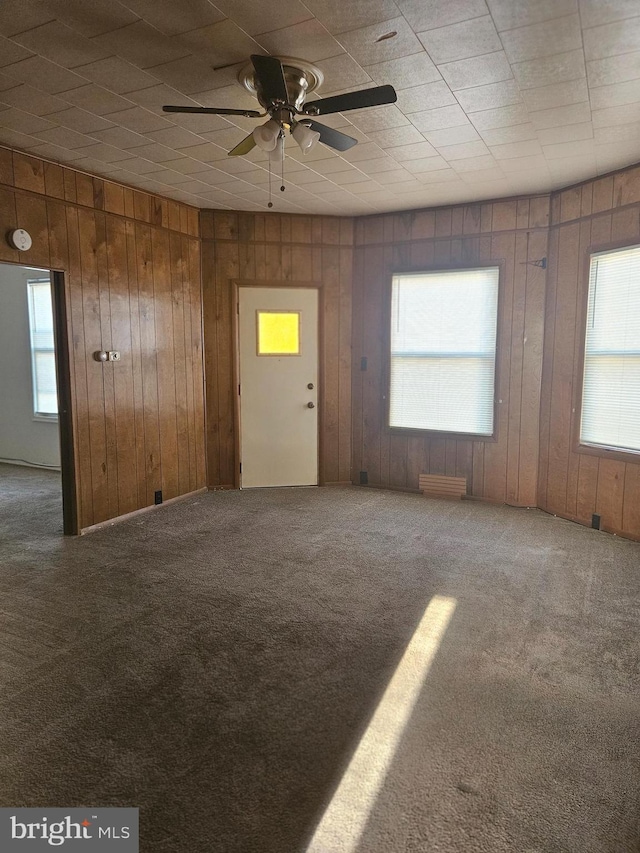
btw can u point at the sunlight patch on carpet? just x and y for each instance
(346, 816)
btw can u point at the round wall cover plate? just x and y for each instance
(20, 239)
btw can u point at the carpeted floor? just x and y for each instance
(217, 661)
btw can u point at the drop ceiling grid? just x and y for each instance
(495, 97)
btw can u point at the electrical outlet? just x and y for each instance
(157, 497)
(114, 355)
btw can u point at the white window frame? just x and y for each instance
(584, 444)
(48, 417)
(476, 436)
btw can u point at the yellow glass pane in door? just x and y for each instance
(278, 333)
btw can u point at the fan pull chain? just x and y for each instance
(270, 202)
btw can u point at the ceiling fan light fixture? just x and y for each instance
(266, 136)
(306, 138)
(276, 154)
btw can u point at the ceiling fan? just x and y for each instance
(281, 86)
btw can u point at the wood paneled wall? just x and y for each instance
(575, 482)
(282, 250)
(512, 233)
(132, 283)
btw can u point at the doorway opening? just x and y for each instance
(37, 480)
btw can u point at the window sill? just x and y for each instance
(46, 419)
(439, 434)
(604, 452)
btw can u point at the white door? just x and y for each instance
(278, 346)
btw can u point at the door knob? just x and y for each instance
(310, 386)
(311, 405)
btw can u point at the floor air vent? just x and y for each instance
(436, 486)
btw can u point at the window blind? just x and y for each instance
(443, 350)
(45, 396)
(611, 383)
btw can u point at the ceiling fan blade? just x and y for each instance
(213, 111)
(375, 97)
(243, 147)
(332, 138)
(270, 78)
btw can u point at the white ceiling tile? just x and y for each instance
(117, 75)
(23, 122)
(138, 119)
(220, 43)
(428, 14)
(379, 166)
(478, 71)
(65, 137)
(616, 154)
(155, 152)
(508, 133)
(375, 118)
(425, 97)
(106, 153)
(17, 16)
(523, 164)
(80, 120)
(203, 124)
(39, 72)
(615, 95)
(437, 176)
(142, 167)
(11, 52)
(551, 69)
(509, 14)
(90, 17)
(549, 38)
(574, 148)
(31, 100)
(394, 136)
(469, 164)
(614, 69)
(596, 12)
(440, 118)
(206, 152)
(309, 39)
(341, 73)
(558, 116)
(141, 44)
(426, 164)
(612, 39)
(508, 150)
(414, 151)
(175, 18)
(616, 115)
(488, 97)
(367, 48)
(617, 133)
(481, 176)
(404, 72)
(257, 18)
(556, 95)
(566, 133)
(154, 97)
(461, 41)
(15, 139)
(501, 117)
(54, 152)
(463, 151)
(61, 44)
(120, 137)
(453, 135)
(96, 99)
(396, 177)
(341, 17)
(175, 137)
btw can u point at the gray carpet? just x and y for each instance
(216, 662)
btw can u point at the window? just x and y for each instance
(43, 364)
(278, 332)
(611, 383)
(443, 350)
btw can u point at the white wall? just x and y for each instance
(21, 437)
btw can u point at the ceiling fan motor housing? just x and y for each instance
(301, 78)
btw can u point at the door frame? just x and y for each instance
(61, 337)
(276, 285)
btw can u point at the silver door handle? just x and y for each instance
(311, 405)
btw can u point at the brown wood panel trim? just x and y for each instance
(589, 217)
(612, 531)
(136, 512)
